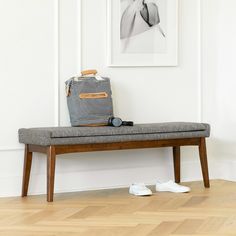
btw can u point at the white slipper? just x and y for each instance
(139, 190)
(171, 186)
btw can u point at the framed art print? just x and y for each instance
(142, 32)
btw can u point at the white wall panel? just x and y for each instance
(157, 93)
(28, 75)
(27, 66)
(219, 56)
(154, 94)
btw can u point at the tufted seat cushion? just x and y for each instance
(106, 134)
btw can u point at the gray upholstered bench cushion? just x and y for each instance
(106, 134)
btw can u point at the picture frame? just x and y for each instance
(142, 33)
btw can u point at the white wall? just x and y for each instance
(40, 49)
(37, 38)
(219, 82)
(28, 74)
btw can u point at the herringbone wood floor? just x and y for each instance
(115, 212)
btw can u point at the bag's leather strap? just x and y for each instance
(93, 95)
(88, 72)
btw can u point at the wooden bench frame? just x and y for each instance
(53, 150)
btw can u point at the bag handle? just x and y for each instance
(88, 72)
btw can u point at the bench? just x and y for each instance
(60, 140)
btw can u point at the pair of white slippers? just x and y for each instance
(140, 189)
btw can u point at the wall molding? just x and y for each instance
(79, 52)
(200, 82)
(57, 61)
(69, 51)
(10, 149)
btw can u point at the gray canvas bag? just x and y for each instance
(89, 99)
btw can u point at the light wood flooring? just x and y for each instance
(115, 212)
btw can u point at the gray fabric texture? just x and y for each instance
(106, 134)
(89, 111)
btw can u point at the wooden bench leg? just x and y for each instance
(51, 162)
(176, 161)
(203, 160)
(26, 171)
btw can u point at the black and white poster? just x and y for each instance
(140, 22)
(142, 32)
